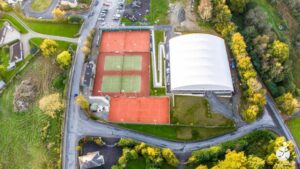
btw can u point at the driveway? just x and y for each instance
(47, 14)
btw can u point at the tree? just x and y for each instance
(238, 45)
(202, 167)
(279, 50)
(284, 164)
(205, 9)
(86, 50)
(287, 103)
(255, 163)
(233, 160)
(170, 157)
(238, 5)
(64, 59)
(258, 18)
(48, 47)
(82, 102)
(58, 14)
(51, 104)
(126, 142)
(251, 113)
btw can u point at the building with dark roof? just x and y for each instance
(15, 55)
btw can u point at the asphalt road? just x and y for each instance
(47, 14)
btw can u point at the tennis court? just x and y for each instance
(149, 110)
(123, 64)
(112, 84)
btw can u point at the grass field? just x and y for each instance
(14, 22)
(121, 84)
(40, 5)
(123, 63)
(21, 145)
(191, 110)
(178, 133)
(158, 12)
(21, 137)
(294, 125)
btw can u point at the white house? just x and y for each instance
(8, 34)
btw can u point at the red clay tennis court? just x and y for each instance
(149, 110)
(123, 64)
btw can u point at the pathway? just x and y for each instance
(32, 34)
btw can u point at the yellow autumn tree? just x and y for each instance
(202, 167)
(58, 14)
(48, 47)
(279, 50)
(287, 103)
(64, 59)
(82, 102)
(238, 45)
(51, 104)
(86, 50)
(233, 160)
(251, 112)
(170, 157)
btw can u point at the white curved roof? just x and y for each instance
(199, 62)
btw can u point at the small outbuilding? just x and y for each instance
(199, 63)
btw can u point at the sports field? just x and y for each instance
(149, 110)
(123, 64)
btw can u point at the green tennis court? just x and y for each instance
(113, 84)
(132, 62)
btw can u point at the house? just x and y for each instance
(2, 84)
(13, 2)
(91, 160)
(71, 3)
(15, 55)
(8, 34)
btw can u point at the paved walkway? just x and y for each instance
(220, 108)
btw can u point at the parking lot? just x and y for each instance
(110, 13)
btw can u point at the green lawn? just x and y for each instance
(40, 5)
(178, 133)
(14, 22)
(62, 45)
(158, 12)
(191, 110)
(294, 125)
